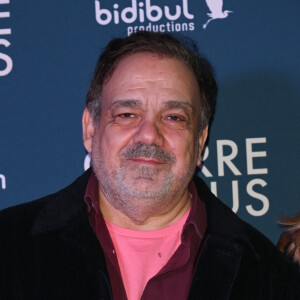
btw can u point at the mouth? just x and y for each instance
(147, 161)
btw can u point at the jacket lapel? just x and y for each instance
(216, 270)
(222, 252)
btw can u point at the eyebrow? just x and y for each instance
(126, 103)
(178, 104)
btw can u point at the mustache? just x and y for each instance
(148, 151)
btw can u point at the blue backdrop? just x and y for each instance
(48, 50)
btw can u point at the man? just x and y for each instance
(139, 225)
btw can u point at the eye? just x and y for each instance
(126, 115)
(175, 118)
(176, 121)
(126, 118)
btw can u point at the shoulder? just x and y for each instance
(261, 264)
(225, 224)
(19, 219)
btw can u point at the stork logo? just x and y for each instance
(216, 11)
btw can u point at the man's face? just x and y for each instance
(146, 144)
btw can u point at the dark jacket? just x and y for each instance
(48, 251)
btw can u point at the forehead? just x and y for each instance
(156, 75)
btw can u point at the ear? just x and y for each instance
(87, 130)
(202, 140)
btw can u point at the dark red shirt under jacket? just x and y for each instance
(174, 279)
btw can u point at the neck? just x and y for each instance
(145, 218)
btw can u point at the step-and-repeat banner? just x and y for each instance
(48, 50)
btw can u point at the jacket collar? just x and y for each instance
(68, 203)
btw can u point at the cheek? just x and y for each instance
(112, 140)
(183, 147)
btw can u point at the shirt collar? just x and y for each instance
(197, 215)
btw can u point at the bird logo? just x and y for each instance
(216, 11)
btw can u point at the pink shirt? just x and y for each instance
(142, 254)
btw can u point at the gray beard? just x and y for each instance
(121, 186)
(127, 181)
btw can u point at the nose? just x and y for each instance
(149, 132)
